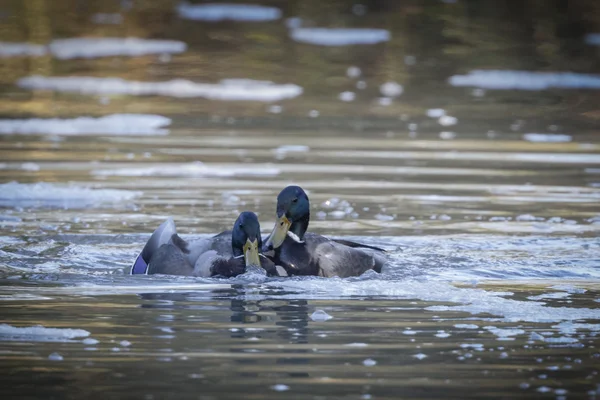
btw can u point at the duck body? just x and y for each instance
(226, 254)
(306, 253)
(320, 256)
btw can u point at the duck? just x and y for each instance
(305, 253)
(226, 254)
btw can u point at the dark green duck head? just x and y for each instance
(245, 238)
(293, 215)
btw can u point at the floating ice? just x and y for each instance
(442, 334)
(65, 49)
(420, 356)
(233, 12)
(369, 362)
(8, 49)
(356, 345)
(320, 316)
(280, 387)
(55, 357)
(593, 39)
(571, 328)
(555, 295)
(504, 333)
(391, 89)
(39, 333)
(14, 194)
(115, 124)
(546, 137)
(228, 89)
(471, 300)
(347, 96)
(526, 80)
(339, 36)
(353, 72)
(192, 169)
(436, 112)
(447, 120)
(466, 326)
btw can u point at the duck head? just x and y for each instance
(245, 238)
(293, 215)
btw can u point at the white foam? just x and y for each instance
(436, 112)
(233, 12)
(9, 49)
(192, 169)
(593, 39)
(40, 333)
(526, 80)
(43, 194)
(339, 36)
(229, 89)
(65, 49)
(115, 124)
(546, 137)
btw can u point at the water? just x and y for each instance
(459, 136)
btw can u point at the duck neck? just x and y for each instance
(300, 226)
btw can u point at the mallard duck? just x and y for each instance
(305, 253)
(226, 254)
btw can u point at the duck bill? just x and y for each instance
(251, 253)
(277, 236)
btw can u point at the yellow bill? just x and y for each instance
(279, 233)
(251, 253)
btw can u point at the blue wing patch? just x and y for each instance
(139, 266)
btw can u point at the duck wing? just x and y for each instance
(352, 244)
(162, 235)
(335, 258)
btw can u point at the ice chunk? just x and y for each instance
(190, 169)
(526, 80)
(280, 387)
(369, 362)
(39, 333)
(43, 194)
(339, 36)
(9, 49)
(224, 11)
(320, 316)
(391, 89)
(66, 49)
(546, 137)
(227, 90)
(115, 124)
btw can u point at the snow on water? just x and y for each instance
(65, 49)
(116, 124)
(224, 11)
(9, 49)
(525, 80)
(339, 36)
(42, 194)
(547, 137)
(192, 169)
(39, 333)
(229, 89)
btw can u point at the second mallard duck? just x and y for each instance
(305, 253)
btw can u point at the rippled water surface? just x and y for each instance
(460, 136)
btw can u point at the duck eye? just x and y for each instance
(295, 200)
(281, 223)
